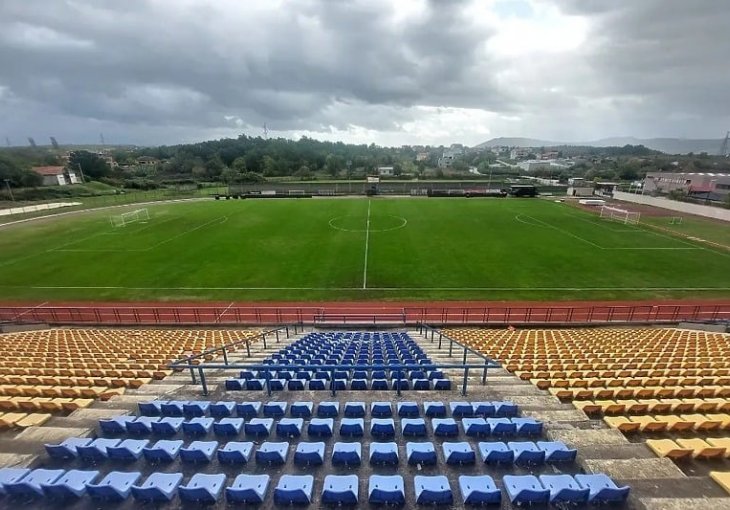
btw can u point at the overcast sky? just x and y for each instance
(389, 72)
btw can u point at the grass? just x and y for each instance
(316, 249)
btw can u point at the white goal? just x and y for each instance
(622, 215)
(126, 218)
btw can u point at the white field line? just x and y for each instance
(394, 289)
(367, 246)
(218, 318)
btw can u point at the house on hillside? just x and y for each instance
(56, 175)
(386, 171)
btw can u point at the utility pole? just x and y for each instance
(7, 183)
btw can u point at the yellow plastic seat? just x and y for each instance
(588, 406)
(621, 423)
(635, 407)
(657, 406)
(677, 423)
(723, 418)
(649, 423)
(8, 420)
(701, 449)
(721, 442)
(702, 422)
(668, 448)
(722, 478)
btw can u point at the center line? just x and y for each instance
(367, 243)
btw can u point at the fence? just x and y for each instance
(363, 315)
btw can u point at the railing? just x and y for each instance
(425, 329)
(342, 314)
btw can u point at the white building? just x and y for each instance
(56, 175)
(386, 171)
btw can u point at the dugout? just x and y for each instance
(523, 190)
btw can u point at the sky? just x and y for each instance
(416, 72)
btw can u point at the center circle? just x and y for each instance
(378, 223)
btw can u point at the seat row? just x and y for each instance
(298, 489)
(100, 392)
(318, 427)
(128, 370)
(654, 406)
(672, 423)
(22, 420)
(641, 392)
(621, 373)
(336, 384)
(308, 453)
(629, 382)
(47, 404)
(325, 409)
(696, 448)
(111, 382)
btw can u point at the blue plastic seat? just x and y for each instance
(128, 450)
(195, 408)
(413, 427)
(67, 449)
(479, 490)
(378, 374)
(484, 409)
(602, 489)
(525, 489)
(408, 410)
(527, 426)
(235, 384)
(564, 489)
(354, 409)
(197, 426)
(382, 428)
(384, 454)
(505, 409)
(294, 490)
(321, 427)
(501, 427)
(248, 489)
(116, 424)
(436, 374)
(248, 410)
(386, 490)
(496, 453)
(11, 475)
(295, 385)
(30, 485)
(172, 407)
(289, 427)
(246, 374)
(458, 453)
(158, 487)
(202, 488)
(434, 409)
(421, 384)
(163, 450)
(309, 454)
(301, 409)
(340, 490)
(381, 410)
(115, 486)
(142, 425)
(339, 384)
(317, 384)
(442, 384)
(461, 409)
(277, 384)
(557, 451)
(274, 454)
(72, 485)
(235, 452)
(527, 453)
(445, 427)
(167, 426)
(328, 409)
(379, 384)
(421, 453)
(402, 384)
(228, 427)
(347, 454)
(259, 427)
(254, 384)
(359, 384)
(151, 408)
(475, 427)
(199, 451)
(222, 409)
(97, 449)
(274, 409)
(432, 490)
(352, 427)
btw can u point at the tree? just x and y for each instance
(239, 164)
(303, 173)
(90, 164)
(332, 165)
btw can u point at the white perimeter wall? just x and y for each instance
(673, 205)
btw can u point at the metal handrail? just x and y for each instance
(425, 328)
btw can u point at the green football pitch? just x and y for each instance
(354, 249)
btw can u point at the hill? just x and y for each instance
(667, 145)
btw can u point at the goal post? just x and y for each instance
(620, 215)
(120, 220)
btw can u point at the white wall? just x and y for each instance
(673, 205)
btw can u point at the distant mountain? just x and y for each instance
(667, 145)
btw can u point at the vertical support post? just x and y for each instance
(463, 361)
(268, 383)
(277, 336)
(332, 382)
(225, 355)
(248, 348)
(202, 380)
(192, 371)
(440, 336)
(451, 346)
(287, 330)
(466, 378)
(484, 374)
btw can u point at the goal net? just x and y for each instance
(621, 215)
(126, 218)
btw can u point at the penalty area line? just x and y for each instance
(367, 245)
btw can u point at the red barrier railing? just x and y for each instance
(382, 314)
